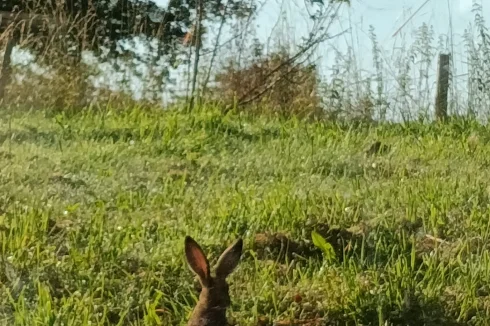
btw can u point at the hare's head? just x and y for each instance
(214, 297)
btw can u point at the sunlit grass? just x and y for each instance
(95, 206)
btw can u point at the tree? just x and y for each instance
(104, 22)
(80, 25)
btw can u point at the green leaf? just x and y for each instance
(324, 246)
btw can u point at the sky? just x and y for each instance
(449, 17)
(387, 15)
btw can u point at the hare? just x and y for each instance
(214, 298)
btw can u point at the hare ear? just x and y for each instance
(229, 259)
(197, 260)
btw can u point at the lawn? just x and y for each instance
(94, 208)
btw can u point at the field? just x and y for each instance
(94, 208)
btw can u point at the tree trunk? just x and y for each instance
(6, 73)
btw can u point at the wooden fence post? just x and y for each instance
(442, 87)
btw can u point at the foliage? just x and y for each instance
(324, 246)
(90, 25)
(273, 81)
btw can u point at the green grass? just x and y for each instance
(94, 208)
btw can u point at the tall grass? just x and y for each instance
(399, 85)
(401, 82)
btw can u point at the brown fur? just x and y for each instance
(214, 298)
